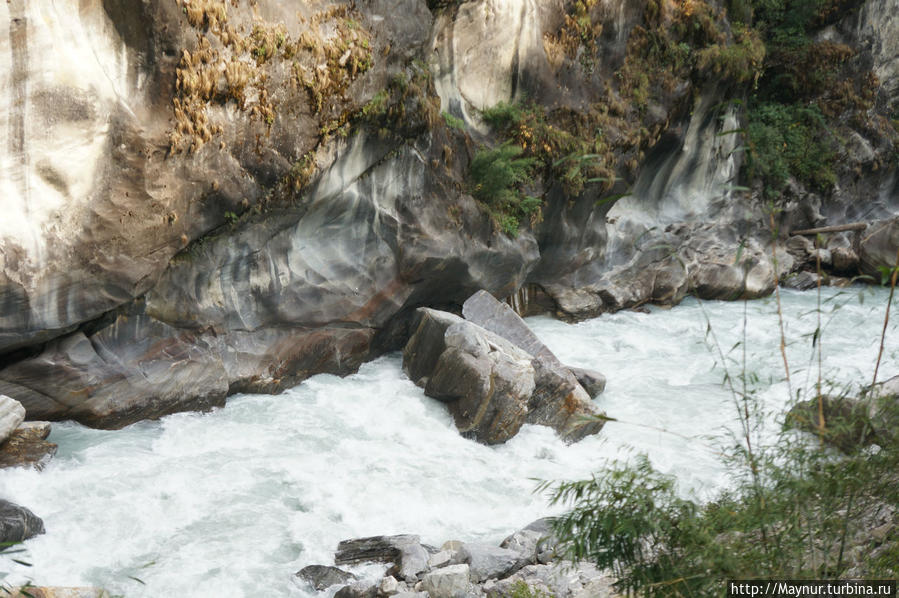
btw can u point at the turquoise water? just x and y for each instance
(233, 502)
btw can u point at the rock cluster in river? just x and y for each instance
(527, 560)
(496, 375)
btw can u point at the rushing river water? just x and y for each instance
(231, 503)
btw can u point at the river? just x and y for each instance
(233, 502)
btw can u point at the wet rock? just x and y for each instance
(592, 381)
(18, 523)
(562, 404)
(489, 562)
(322, 577)
(28, 447)
(406, 552)
(802, 281)
(449, 582)
(11, 415)
(486, 380)
(426, 343)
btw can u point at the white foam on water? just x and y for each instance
(233, 502)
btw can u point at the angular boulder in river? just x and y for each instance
(27, 446)
(492, 385)
(18, 523)
(405, 551)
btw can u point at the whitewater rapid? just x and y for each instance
(233, 502)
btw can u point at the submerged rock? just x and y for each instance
(28, 447)
(321, 577)
(18, 523)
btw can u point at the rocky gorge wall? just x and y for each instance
(202, 198)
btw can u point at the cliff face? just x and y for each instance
(202, 198)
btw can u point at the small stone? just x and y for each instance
(389, 586)
(452, 545)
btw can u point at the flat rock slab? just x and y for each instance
(322, 577)
(374, 549)
(18, 523)
(28, 447)
(486, 311)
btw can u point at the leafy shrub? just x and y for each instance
(789, 140)
(496, 177)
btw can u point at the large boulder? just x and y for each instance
(18, 523)
(11, 415)
(492, 385)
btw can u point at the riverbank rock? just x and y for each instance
(11, 415)
(489, 562)
(535, 543)
(452, 581)
(525, 562)
(851, 423)
(322, 577)
(27, 446)
(18, 523)
(495, 379)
